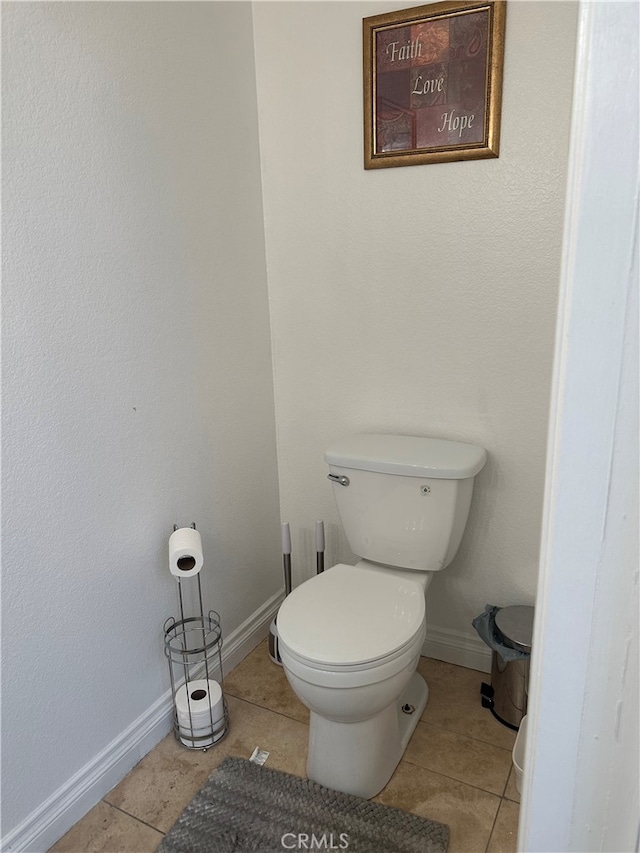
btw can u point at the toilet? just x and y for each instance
(350, 638)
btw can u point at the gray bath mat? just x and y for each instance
(246, 808)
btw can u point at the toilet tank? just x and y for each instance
(405, 500)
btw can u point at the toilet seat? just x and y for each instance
(356, 676)
(349, 619)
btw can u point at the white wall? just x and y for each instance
(137, 367)
(418, 299)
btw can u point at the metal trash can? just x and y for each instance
(508, 692)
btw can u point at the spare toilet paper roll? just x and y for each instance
(198, 703)
(205, 701)
(185, 552)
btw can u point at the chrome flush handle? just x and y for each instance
(335, 478)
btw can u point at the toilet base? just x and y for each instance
(359, 758)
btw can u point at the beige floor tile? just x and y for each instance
(511, 792)
(469, 813)
(107, 830)
(257, 679)
(472, 761)
(504, 838)
(161, 785)
(285, 739)
(454, 703)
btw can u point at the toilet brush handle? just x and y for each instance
(286, 538)
(286, 556)
(286, 559)
(319, 547)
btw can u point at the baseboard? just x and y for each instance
(458, 648)
(66, 806)
(252, 631)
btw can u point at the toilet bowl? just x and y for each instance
(350, 640)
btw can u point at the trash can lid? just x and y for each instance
(515, 625)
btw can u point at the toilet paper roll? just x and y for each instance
(185, 552)
(199, 702)
(204, 698)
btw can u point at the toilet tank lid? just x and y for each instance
(407, 455)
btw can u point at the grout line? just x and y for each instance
(456, 732)
(493, 826)
(139, 820)
(453, 779)
(267, 708)
(467, 737)
(478, 739)
(504, 790)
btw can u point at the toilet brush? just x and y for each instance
(274, 652)
(319, 547)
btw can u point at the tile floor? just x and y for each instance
(457, 768)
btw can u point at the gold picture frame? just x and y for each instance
(433, 83)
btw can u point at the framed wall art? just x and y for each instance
(433, 83)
